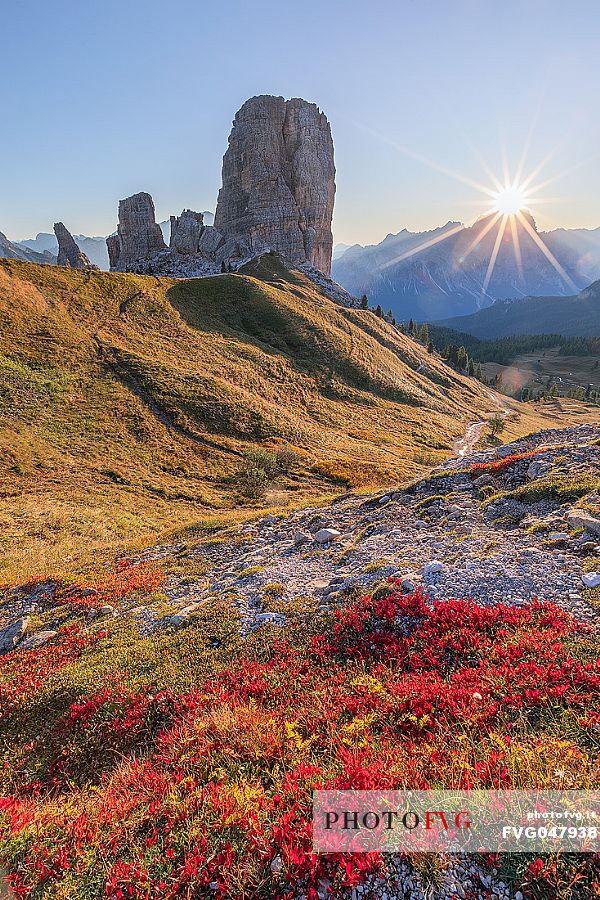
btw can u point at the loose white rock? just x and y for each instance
(591, 579)
(435, 567)
(325, 535)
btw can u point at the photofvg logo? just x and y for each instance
(456, 821)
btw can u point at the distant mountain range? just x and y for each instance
(577, 316)
(11, 250)
(93, 247)
(436, 274)
(339, 250)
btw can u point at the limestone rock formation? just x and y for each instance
(277, 194)
(279, 181)
(186, 230)
(69, 254)
(138, 235)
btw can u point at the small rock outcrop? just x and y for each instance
(69, 254)
(186, 231)
(138, 237)
(279, 181)
(12, 634)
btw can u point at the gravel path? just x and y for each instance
(466, 443)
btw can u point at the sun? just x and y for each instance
(509, 203)
(510, 200)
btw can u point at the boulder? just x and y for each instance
(591, 579)
(537, 468)
(410, 582)
(579, 518)
(39, 639)
(186, 230)
(12, 634)
(326, 535)
(279, 181)
(184, 616)
(209, 241)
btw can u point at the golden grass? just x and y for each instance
(87, 463)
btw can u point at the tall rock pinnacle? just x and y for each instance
(279, 180)
(138, 235)
(69, 254)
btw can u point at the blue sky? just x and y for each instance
(100, 100)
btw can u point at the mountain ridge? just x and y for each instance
(572, 316)
(418, 275)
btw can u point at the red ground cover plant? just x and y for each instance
(97, 589)
(141, 792)
(23, 674)
(499, 465)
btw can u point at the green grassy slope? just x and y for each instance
(126, 401)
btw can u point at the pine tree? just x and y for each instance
(496, 425)
(379, 311)
(364, 302)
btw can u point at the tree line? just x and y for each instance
(465, 353)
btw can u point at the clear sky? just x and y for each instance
(103, 99)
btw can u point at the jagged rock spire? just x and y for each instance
(69, 254)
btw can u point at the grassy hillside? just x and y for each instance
(126, 403)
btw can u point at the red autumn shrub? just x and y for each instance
(212, 794)
(499, 465)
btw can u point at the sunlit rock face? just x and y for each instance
(279, 181)
(277, 194)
